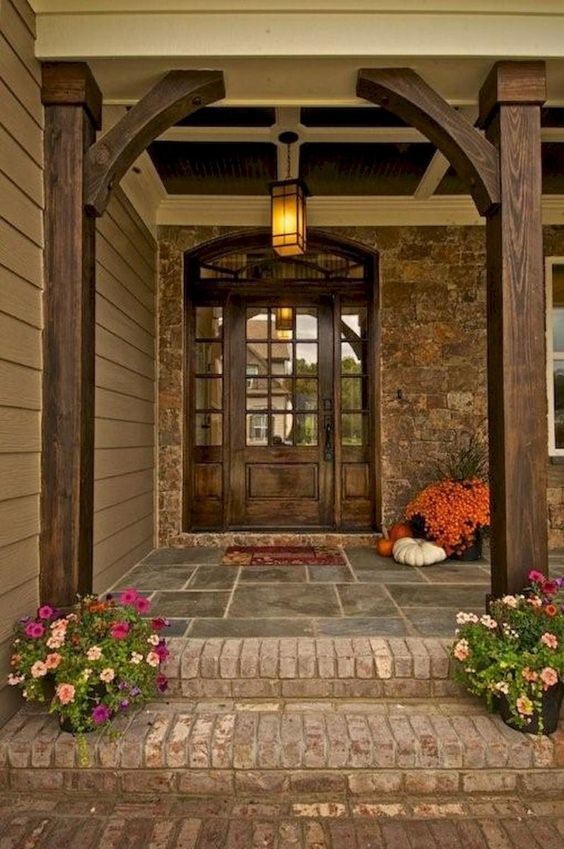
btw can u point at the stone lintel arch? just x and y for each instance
(403, 92)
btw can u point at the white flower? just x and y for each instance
(136, 657)
(488, 622)
(107, 675)
(94, 653)
(86, 673)
(153, 659)
(510, 600)
(154, 640)
(501, 687)
(14, 680)
(56, 641)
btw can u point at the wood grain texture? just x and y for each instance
(403, 92)
(512, 82)
(178, 94)
(516, 352)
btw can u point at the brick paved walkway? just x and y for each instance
(36, 822)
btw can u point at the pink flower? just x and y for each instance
(94, 653)
(153, 659)
(524, 706)
(128, 596)
(549, 677)
(34, 630)
(461, 650)
(142, 605)
(550, 588)
(536, 577)
(159, 623)
(45, 612)
(120, 630)
(107, 675)
(39, 669)
(65, 693)
(549, 640)
(60, 624)
(529, 674)
(53, 660)
(162, 651)
(162, 682)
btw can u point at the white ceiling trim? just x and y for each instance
(152, 6)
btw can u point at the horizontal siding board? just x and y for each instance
(19, 386)
(20, 602)
(19, 431)
(21, 168)
(111, 491)
(119, 295)
(19, 80)
(19, 342)
(116, 406)
(115, 434)
(109, 463)
(109, 522)
(19, 519)
(110, 375)
(126, 218)
(20, 475)
(19, 254)
(20, 211)
(113, 262)
(113, 348)
(137, 253)
(20, 298)
(26, 13)
(112, 572)
(16, 31)
(111, 318)
(21, 125)
(24, 552)
(124, 541)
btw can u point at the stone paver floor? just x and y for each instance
(36, 822)
(371, 595)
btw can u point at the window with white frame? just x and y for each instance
(555, 351)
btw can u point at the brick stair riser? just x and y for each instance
(314, 688)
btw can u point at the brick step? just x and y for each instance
(249, 748)
(43, 821)
(311, 667)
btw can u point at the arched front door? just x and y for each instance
(281, 387)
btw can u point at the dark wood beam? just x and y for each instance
(510, 103)
(175, 96)
(72, 111)
(403, 92)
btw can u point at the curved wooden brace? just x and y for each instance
(178, 94)
(403, 92)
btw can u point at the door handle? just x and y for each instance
(328, 452)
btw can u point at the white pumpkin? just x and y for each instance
(417, 552)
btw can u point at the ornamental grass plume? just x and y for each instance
(451, 512)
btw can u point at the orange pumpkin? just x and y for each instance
(384, 546)
(399, 531)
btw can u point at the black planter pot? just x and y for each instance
(473, 552)
(551, 704)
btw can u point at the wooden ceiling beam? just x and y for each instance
(439, 164)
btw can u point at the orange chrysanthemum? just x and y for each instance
(452, 512)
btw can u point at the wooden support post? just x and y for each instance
(510, 102)
(73, 104)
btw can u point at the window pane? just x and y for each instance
(281, 393)
(306, 323)
(351, 394)
(306, 393)
(208, 357)
(354, 429)
(354, 323)
(306, 358)
(352, 357)
(282, 428)
(257, 402)
(282, 402)
(257, 323)
(559, 405)
(209, 322)
(257, 385)
(306, 429)
(257, 359)
(257, 429)
(281, 358)
(283, 323)
(209, 429)
(558, 306)
(209, 393)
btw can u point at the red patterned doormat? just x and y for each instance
(283, 555)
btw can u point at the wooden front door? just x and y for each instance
(281, 425)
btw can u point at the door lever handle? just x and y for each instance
(328, 452)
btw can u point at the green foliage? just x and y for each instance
(468, 461)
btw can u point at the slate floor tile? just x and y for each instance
(451, 573)
(190, 604)
(370, 575)
(420, 595)
(434, 621)
(252, 628)
(358, 626)
(213, 578)
(365, 600)
(281, 601)
(273, 574)
(147, 576)
(330, 574)
(211, 556)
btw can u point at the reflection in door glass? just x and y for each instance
(354, 323)
(209, 322)
(209, 429)
(209, 393)
(306, 358)
(257, 358)
(257, 323)
(306, 323)
(306, 429)
(282, 428)
(353, 428)
(257, 429)
(209, 357)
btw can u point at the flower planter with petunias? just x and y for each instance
(514, 656)
(93, 663)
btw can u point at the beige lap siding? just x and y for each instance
(125, 392)
(21, 281)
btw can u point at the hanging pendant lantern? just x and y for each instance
(284, 318)
(288, 210)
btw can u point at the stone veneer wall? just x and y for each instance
(432, 283)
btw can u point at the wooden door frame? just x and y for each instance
(503, 174)
(369, 288)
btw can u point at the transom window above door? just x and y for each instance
(282, 385)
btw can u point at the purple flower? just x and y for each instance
(100, 714)
(162, 651)
(119, 630)
(24, 619)
(128, 596)
(135, 691)
(45, 612)
(161, 682)
(34, 630)
(123, 685)
(124, 704)
(142, 605)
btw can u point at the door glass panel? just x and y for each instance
(559, 404)
(257, 386)
(257, 402)
(281, 358)
(354, 428)
(306, 429)
(352, 358)
(283, 323)
(306, 358)
(282, 402)
(257, 429)
(352, 394)
(306, 393)
(558, 307)
(354, 323)
(209, 393)
(282, 429)
(209, 429)
(257, 359)
(257, 323)
(209, 357)
(209, 322)
(306, 323)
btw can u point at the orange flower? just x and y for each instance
(551, 610)
(452, 512)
